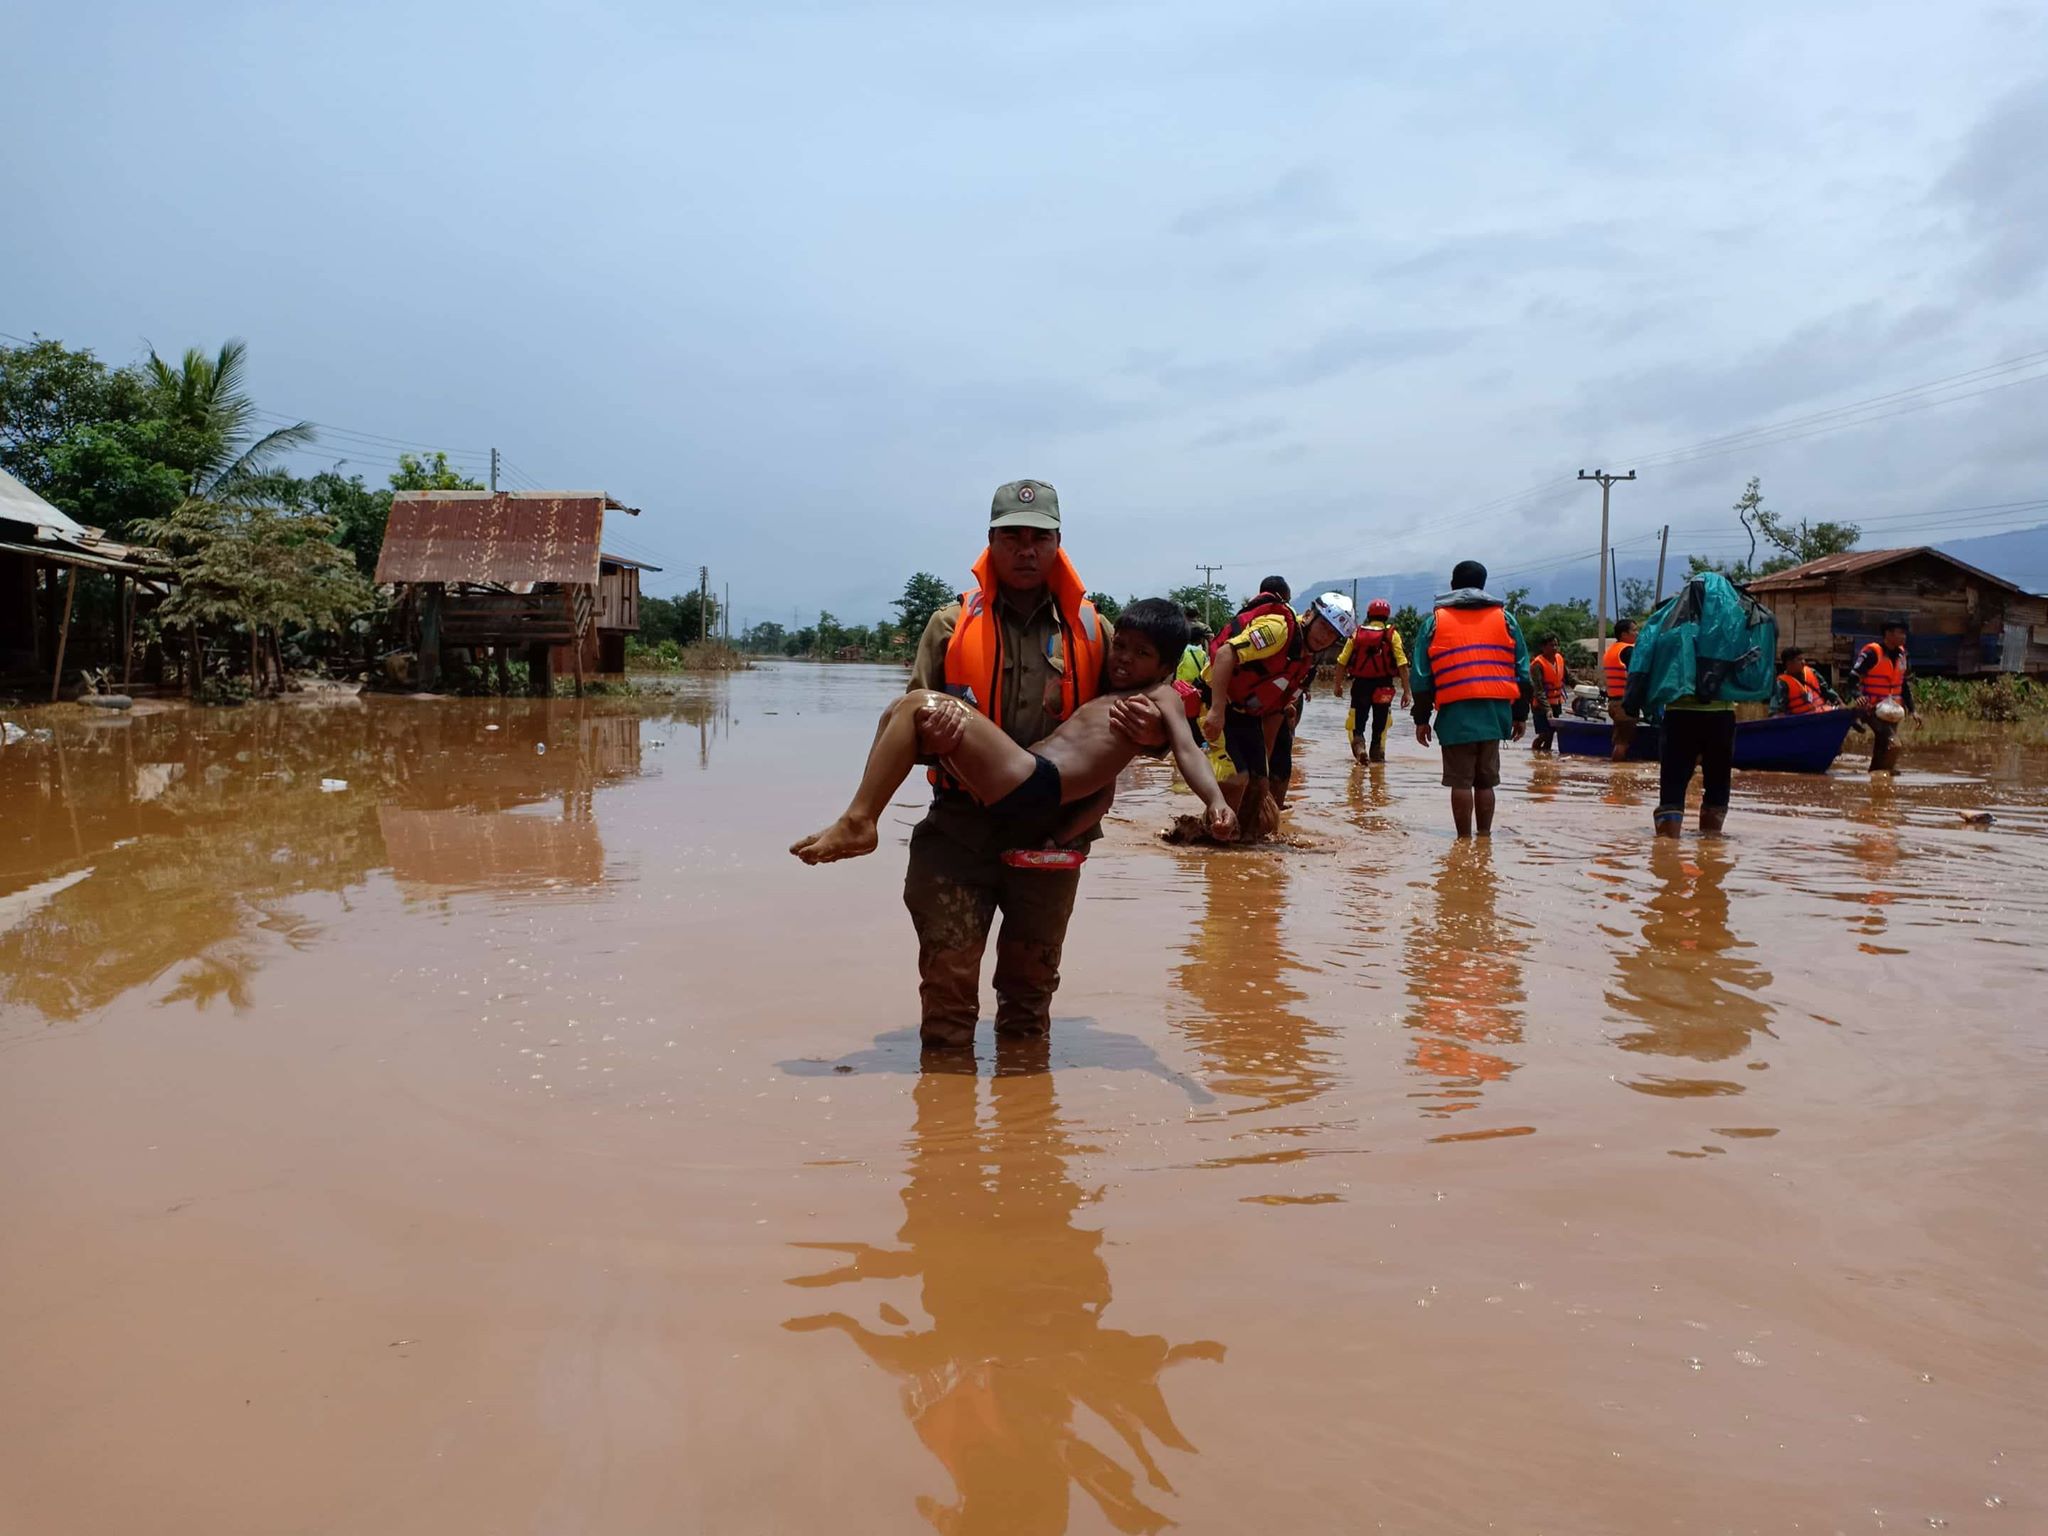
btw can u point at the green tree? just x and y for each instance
(767, 638)
(1568, 621)
(205, 397)
(1794, 543)
(254, 566)
(1210, 599)
(923, 595)
(1636, 596)
(1408, 620)
(48, 395)
(1106, 605)
(430, 472)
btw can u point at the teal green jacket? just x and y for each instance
(1468, 719)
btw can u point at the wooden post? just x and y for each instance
(125, 592)
(430, 636)
(63, 634)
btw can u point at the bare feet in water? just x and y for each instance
(846, 838)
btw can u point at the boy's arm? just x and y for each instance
(1193, 763)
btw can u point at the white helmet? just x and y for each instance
(1334, 609)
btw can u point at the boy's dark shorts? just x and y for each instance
(1471, 764)
(1040, 792)
(1244, 738)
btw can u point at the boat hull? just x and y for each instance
(1781, 744)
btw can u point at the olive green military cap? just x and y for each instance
(1025, 504)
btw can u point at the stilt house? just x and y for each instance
(1960, 621)
(511, 574)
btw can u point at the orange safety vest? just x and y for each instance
(1262, 686)
(1802, 697)
(1550, 669)
(1372, 654)
(1886, 678)
(1617, 669)
(1472, 656)
(974, 656)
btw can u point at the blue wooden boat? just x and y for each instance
(1781, 744)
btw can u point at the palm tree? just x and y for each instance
(205, 395)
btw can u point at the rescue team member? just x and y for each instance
(1614, 671)
(1550, 677)
(1799, 689)
(1374, 660)
(1471, 668)
(1026, 649)
(1258, 667)
(1880, 674)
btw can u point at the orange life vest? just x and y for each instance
(974, 656)
(1886, 678)
(1617, 669)
(1802, 697)
(1550, 671)
(1262, 686)
(1372, 654)
(1472, 655)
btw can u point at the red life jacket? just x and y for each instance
(1372, 654)
(1472, 656)
(1886, 678)
(1550, 671)
(1262, 686)
(1801, 696)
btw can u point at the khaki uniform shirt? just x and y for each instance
(1030, 701)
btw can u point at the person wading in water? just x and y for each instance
(1471, 669)
(1025, 648)
(1373, 661)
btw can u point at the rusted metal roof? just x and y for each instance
(506, 537)
(1815, 573)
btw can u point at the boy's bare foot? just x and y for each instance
(847, 838)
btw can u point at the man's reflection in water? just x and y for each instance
(1687, 983)
(1465, 983)
(1244, 1025)
(1014, 1292)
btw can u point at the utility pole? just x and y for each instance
(1208, 597)
(725, 615)
(1663, 546)
(494, 471)
(1607, 483)
(703, 603)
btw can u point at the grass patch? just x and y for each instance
(706, 656)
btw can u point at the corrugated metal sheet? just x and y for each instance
(513, 536)
(1856, 562)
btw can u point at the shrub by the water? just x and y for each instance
(1998, 700)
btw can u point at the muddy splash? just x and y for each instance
(460, 1117)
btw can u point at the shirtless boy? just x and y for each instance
(1076, 765)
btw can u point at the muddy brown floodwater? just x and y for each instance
(443, 1117)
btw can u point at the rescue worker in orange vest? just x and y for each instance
(1374, 661)
(1257, 670)
(1799, 689)
(1471, 669)
(1025, 648)
(1880, 674)
(1550, 676)
(1614, 673)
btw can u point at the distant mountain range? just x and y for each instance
(2021, 557)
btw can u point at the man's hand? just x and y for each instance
(1212, 723)
(1406, 701)
(1137, 719)
(1521, 729)
(941, 727)
(1422, 732)
(1223, 822)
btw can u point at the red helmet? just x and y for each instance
(1379, 608)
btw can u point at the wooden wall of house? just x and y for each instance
(18, 648)
(618, 599)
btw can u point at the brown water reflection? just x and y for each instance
(1014, 1345)
(1464, 967)
(429, 1154)
(1689, 985)
(163, 843)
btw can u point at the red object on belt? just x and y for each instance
(1044, 858)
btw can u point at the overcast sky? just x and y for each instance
(1283, 286)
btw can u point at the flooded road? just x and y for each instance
(429, 1117)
